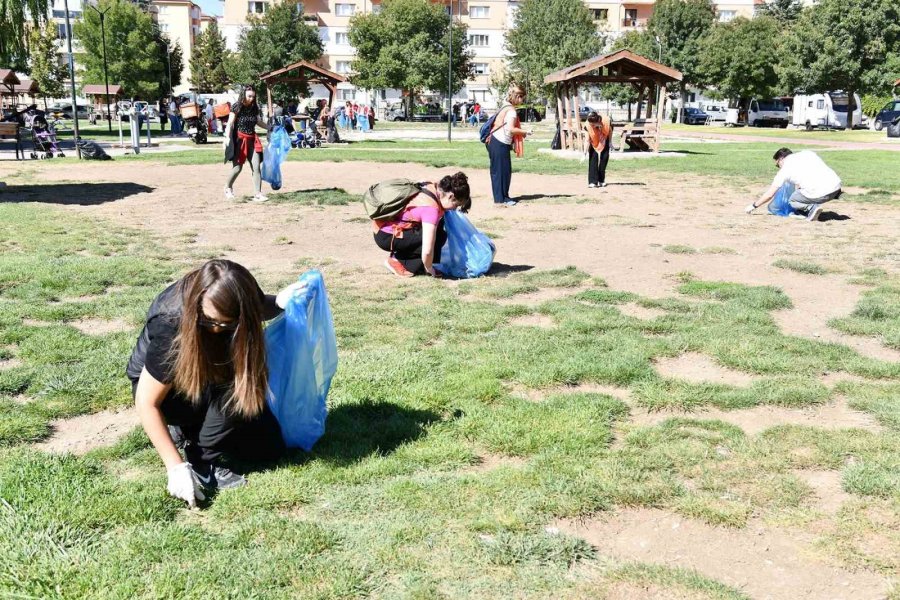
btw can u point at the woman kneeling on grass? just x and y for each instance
(415, 237)
(199, 367)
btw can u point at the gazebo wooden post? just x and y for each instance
(660, 112)
(569, 104)
(269, 100)
(332, 91)
(560, 116)
(579, 132)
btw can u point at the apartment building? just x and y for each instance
(487, 20)
(58, 22)
(181, 21)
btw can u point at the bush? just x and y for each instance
(871, 104)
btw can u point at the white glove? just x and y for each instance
(287, 293)
(183, 484)
(750, 208)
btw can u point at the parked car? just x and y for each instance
(533, 113)
(767, 113)
(693, 116)
(887, 114)
(65, 109)
(716, 113)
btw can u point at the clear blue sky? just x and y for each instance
(210, 7)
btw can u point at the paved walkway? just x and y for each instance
(713, 134)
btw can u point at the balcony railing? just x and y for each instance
(634, 22)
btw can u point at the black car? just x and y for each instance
(694, 116)
(887, 114)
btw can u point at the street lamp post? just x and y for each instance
(72, 79)
(450, 78)
(102, 14)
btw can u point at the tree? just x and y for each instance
(405, 46)
(641, 43)
(274, 40)
(176, 63)
(783, 11)
(208, 72)
(44, 66)
(680, 26)
(842, 45)
(14, 18)
(538, 48)
(736, 58)
(134, 59)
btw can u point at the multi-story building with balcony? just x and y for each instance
(181, 21)
(487, 20)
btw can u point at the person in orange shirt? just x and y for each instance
(599, 130)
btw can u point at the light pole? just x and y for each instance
(659, 43)
(450, 77)
(72, 79)
(102, 14)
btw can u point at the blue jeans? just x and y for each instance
(501, 169)
(177, 126)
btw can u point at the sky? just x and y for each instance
(210, 7)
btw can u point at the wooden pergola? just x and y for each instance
(302, 72)
(9, 81)
(624, 67)
(97, 91)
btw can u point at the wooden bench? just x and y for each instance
(636, 135)
(12, 131)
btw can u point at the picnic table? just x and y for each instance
(637, 134)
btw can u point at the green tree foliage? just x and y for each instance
(44, 66)
(274, 40)
(208, 72)
(14, 20)
(849, 45)
(548, 35)
(783, 11)
(736, 58)
(641, 43)
(405, 46)
(176, 63)
(681, 26)
(135, 59)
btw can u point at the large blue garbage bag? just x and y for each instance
(780, 205)
(276, 152)
(301, 351)
(468, 252)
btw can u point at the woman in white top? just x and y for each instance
(506, 132)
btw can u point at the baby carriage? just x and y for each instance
(308, 138)
(43, 136)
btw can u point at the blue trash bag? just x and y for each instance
(780, 205)
(301, 352)
(276, 151)
(468, 252)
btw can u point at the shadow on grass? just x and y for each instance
(356, 431)
(833, 216)
(527, 197)
(504, 270)
(83, 194)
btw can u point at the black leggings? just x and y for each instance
(408, 249)
(212, 431)
(597, 164)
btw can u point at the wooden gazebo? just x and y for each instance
(27, 87)
(8, 83)
(626, 67)
(302, 72)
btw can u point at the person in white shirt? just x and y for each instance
(505, 132)
(815, 182)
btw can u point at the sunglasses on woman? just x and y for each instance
(207, 323)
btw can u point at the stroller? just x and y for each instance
(307, 139)
(43, 135)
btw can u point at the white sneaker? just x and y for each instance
(592, 185)
(814, 213)
(260, 197)
(229, 194)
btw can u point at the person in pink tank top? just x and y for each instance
(415, 237)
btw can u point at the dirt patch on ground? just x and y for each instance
(36, 323)
(826, 485)
(794, 322)
(630, 590)
(80, 435)
(539, 297)
(699, 368)
(489, 462)
(538, 395)
(834, 415)
(763, 562)
(10, 363)
(541, 321)
(640, 312)
(101, 326)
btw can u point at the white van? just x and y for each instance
(828, 111)
(767, 113)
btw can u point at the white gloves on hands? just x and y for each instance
(183, 484)
(750, 208)
(284, 295)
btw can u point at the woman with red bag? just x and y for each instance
(243, 143)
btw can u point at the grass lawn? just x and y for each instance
(455, 434)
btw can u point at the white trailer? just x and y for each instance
(825, 111)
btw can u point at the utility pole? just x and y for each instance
(105, 64)
(450, 78)
(72, 79)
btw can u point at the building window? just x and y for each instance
(727, 15)
(256, 7)
(479, 40)
(164, 27)
(342, 66)
(344, 95)
(342, 38)
(479, 12)
(481, 68)
(344, 10)
(61, 31)
(376, 9)
(630, 17)
(600, 14)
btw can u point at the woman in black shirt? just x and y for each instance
(199, 367)
(245, 116)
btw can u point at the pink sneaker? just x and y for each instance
(396, 267)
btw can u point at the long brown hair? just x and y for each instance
(234, 293)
